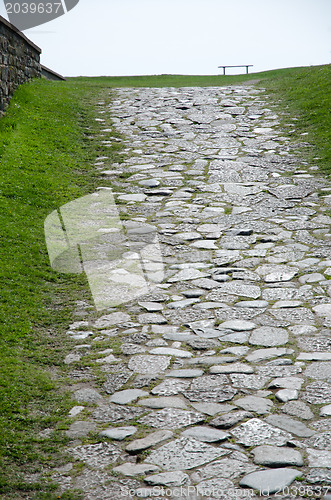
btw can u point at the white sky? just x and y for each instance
(140, 37)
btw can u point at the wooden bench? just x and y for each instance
(240, 66)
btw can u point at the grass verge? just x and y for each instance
(305, 93)
(46, 152)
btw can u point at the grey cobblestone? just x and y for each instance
(245, 303)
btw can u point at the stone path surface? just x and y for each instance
(217, 383)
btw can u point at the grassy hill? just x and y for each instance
(47, 151)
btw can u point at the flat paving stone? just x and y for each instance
(269, 336)
(188, 236)
(119, 433)
(319, 476)
(318, 393)
(214, 395)
(286, 383)
(167, 351)
(172, 418)
(212, 408)
(228, 468)
(210, 360)
(72, 358)
(111, 320)
(248, 381)
(206, 244)
(206, 283)
(319, 371)
(80, 428)
(208, 382)
(323, 310)
(286, 304)
(291, 425)
(299, 409)
(148, 364)
(187, 274)
(180, 337)
(148, 441)
(202, 344)
(163, 402)
(321, 441)
(132, 470)
(206, 434)
(96, 456)
(181, 304)
(185, 373)
(211, 333)
(219, 486)
(319, 458)
(110, 359)
(294, 316)
(127, 396)
(280, 276)
(116, 413)
(115, 381)
(238, 325)
(193, 293)
(270, 481)
(168, 479)
(150, 183)
(254, 304)
(276, 456)
(235, 338)
(258, 405)
(314, 356)
(170, 387)
(75, 410)
(255, 432)
(285, 395)
(183, 454)
(151, 318)
(80, 335)
(130, 349)
(303, 330)
(235, 350)
(232, 368)
(230, 419)
(264, 354)
(132, 197)
(325, 411)
(87, 395)
(151, 306)
(251, 291)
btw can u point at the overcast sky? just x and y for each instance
(137, 37)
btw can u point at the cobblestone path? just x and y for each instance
(218, 381)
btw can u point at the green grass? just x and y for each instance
(306, 94)
(46, 155)
(162, 80)
(45, 159)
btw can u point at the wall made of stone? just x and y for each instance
(19, 61)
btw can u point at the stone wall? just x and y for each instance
(49, 74)
(19, 61)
